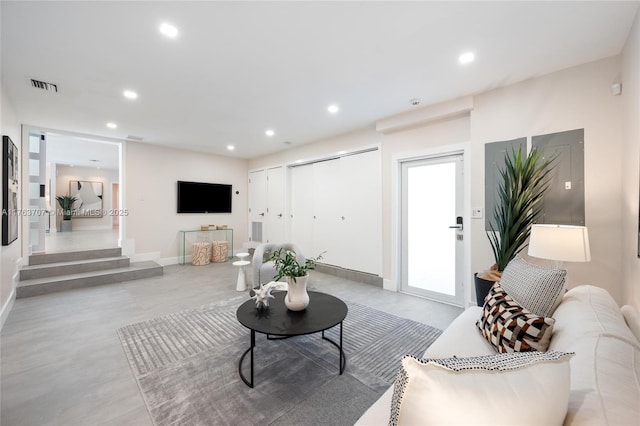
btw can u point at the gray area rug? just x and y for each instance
(186, 365)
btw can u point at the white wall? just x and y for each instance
(570, 99)
(631, 165)
(435, 134)
(9, 255)
(107, 177)
(575, 98)
(150, 192)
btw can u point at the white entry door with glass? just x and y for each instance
(432, 227)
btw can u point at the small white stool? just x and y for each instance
(242, 256)
(242, 279)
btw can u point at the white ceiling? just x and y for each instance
(80, 151)
(238, 68)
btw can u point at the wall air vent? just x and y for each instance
(44, 85)
(134, 138)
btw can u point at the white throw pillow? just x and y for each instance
(538, 289)
(525, 388)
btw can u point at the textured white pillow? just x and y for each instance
(538, 289)
(524, 388)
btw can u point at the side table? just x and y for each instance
(242, 278)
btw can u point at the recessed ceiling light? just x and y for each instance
(168, 30)
(466, 58)
(112, 125)
(130, 94)
(231, 147)
(269, 132)
(333, 109)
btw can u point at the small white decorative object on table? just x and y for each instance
(263, 294)
(242, 278)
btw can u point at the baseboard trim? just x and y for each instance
(142, 257)
(6, 309)
(350, 274)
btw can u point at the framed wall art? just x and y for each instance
(89, 198)
(10, 162)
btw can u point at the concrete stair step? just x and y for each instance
(72, 267)
(69, 256)
(136, 270)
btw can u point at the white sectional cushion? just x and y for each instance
(588, 311)
(605, 372)
(538, 289)
(525, 388)
(461, 338)
(632, 318)
(605, 382)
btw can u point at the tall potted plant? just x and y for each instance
(287, 266)
(520, 193)
(66, 204)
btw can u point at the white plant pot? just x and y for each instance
(297, 298)
(65, 226)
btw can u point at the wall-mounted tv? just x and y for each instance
(199, 197)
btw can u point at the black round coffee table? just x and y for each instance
(324, 312)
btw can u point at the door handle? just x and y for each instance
(261, 214)
(280, 215)
(458, 224)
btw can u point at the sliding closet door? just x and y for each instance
(360, 213)
(336, 208)
(326, 213)
(302, 208)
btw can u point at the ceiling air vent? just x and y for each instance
(134, 138)
(44, 85)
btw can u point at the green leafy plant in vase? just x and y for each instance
(287, 266)
(66, 204)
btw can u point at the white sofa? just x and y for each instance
(605, 371)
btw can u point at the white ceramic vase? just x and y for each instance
(297, 298)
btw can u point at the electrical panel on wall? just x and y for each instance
(563, 203)
(494, 160)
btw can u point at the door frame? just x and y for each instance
(396, 217)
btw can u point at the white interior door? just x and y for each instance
(257, 205)
(432, 234)
(275, 206)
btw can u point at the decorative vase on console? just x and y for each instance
(286, 265)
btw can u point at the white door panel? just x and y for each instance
(257, 204)
(432, 244)
(275, 206)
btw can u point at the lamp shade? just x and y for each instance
(560, 242)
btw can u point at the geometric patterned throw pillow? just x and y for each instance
(511, 328)
(538, 289)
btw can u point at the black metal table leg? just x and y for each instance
(342, 358)
(253, 344)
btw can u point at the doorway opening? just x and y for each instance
(84, 167)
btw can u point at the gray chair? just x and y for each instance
(264, 272)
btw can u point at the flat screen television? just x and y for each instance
(199, 197)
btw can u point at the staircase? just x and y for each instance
(53, 272)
